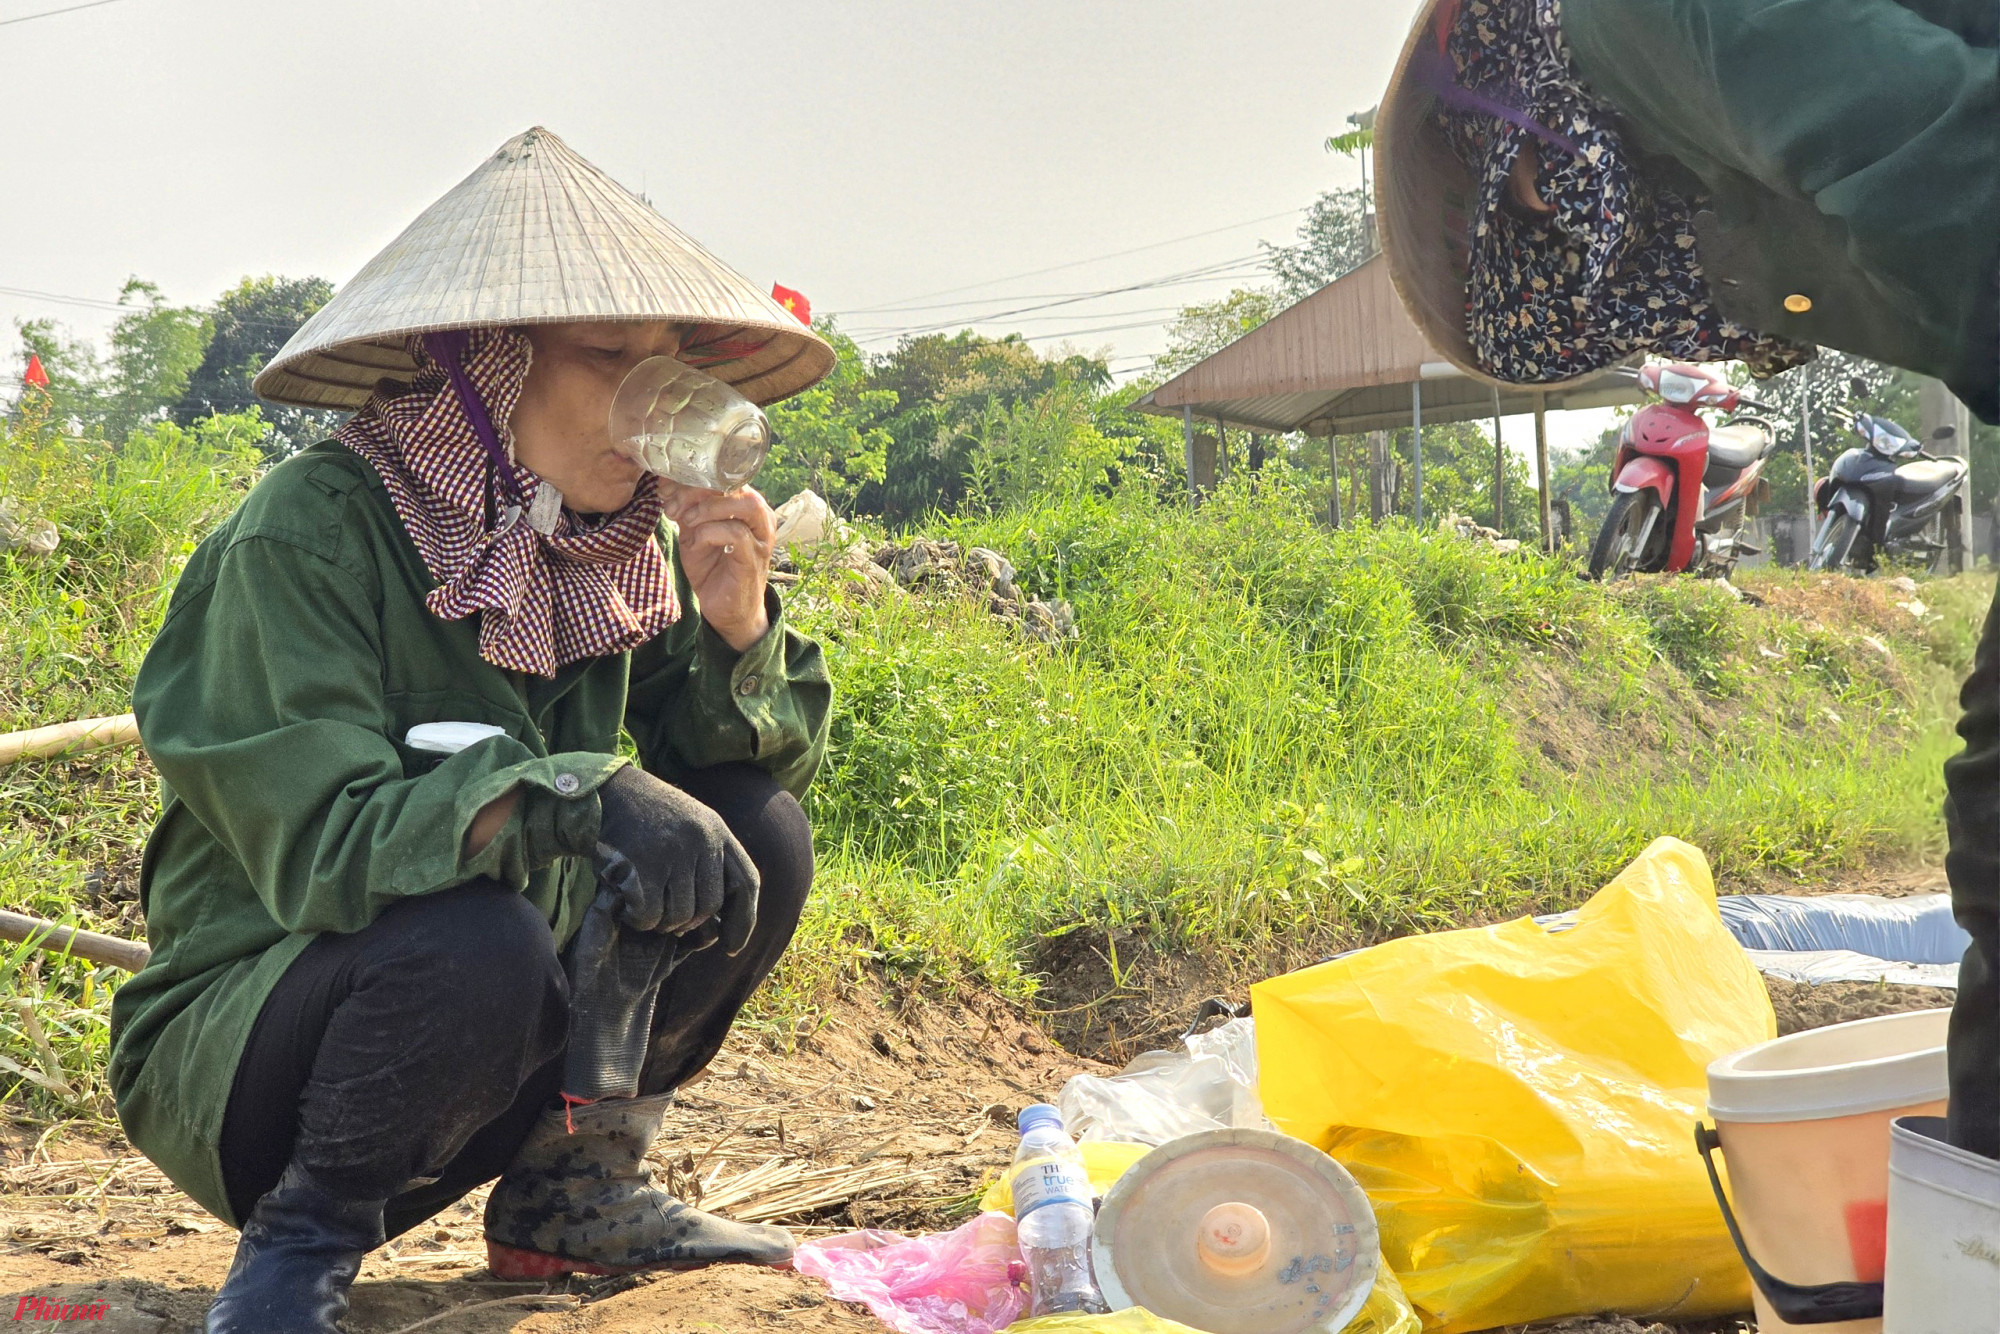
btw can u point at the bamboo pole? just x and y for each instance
(55, 938)
(40, 743)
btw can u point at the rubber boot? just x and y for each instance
(578, 1199)
(300, 1250)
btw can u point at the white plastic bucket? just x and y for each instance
(1944, 1234)
(1803, 1122)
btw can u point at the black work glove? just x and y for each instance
(691, 870)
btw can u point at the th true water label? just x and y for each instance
(1050, 1181)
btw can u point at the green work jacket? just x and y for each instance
(295, 656)
(1850, 150)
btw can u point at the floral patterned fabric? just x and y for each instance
(1613, 271)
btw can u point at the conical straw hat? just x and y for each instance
(1424, 198)
(536, 235)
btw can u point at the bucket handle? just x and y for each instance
(1795, 1303)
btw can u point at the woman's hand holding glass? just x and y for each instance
(726, 539)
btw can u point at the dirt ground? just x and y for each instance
(893, 1111)
(888, 1114)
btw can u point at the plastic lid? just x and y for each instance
(1238, 1232)
(1866, 1065)
(1038, 1114)
(449, 738)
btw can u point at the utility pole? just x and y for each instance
(1542, 470)
(1940, 407)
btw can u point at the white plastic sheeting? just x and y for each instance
(1919, 929)
(1848, 966)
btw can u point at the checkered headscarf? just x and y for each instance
(551, 587)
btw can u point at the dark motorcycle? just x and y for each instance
(1890, 497)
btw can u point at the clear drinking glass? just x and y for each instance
(677, 422)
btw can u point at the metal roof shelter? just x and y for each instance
(1347, 359)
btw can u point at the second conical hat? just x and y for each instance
(537, 235)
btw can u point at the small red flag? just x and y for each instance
(793, 301)
(35, 375)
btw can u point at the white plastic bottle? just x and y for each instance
(1053, 1216)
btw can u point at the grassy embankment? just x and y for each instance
(1268, 742)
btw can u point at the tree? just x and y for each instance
(251, 322)
(946, 388)
(1331, 241)
(155, 347)
(1202, 330)
(1820, 386)
(830, 437)
(75, 372)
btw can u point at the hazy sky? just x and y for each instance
(869, 153)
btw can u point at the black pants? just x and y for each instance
(408, 1060)
(1972, 809)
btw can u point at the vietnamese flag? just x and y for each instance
(793, 301)
(35, 375)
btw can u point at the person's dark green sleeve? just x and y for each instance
(696, 702)
(262, 705)
(1871, 122)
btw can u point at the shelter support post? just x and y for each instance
(1333, 515)
(1417, 450)
(1187, 447)
(1378, 475)
(1221, 450)
(1542, 470)
(1499, 468)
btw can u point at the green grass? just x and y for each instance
(1267, 739)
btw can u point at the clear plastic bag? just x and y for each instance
(1209, 1085)
(966, 1281)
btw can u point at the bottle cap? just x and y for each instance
(1036, 1114)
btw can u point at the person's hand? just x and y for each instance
(690, 868)
(726, 540)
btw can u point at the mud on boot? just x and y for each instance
(581, 1201)
(300, 1250)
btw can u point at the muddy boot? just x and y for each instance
(300, 1250)
(582, 1202)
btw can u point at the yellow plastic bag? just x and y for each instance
(1520, 1104)
(1387, 1310)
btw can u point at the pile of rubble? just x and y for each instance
(1473, 531)
(25, 534)
(808, 528)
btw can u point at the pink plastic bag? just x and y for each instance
(966, 1281)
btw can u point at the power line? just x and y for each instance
(1228, 268)
(51, 13)
(1076, 263)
